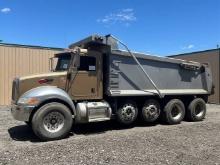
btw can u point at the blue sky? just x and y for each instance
(161, 27)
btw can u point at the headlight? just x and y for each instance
(28, 101)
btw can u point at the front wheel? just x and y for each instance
(52, 121)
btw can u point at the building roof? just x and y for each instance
(30, 46)
(196, 52)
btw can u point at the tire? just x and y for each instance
(150, 110)
(174, 111)
(196, 110)
(127, 113)
(52, 121)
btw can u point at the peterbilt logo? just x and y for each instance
(45, 81)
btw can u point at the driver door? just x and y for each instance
(87, 83)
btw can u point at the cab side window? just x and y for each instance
(87, 63)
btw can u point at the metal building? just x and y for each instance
(19, 60)
(212, 57)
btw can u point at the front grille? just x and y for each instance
(15, 89)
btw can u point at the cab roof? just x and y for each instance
(95, 40)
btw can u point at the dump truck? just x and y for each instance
(95, 80)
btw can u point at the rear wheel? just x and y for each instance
(196, 110)
(52, 121)
(127, 113)
(174, 111)
(151, 110)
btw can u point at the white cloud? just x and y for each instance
(123, 16)
(5, 10)
(190, 46)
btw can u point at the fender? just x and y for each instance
(45, 93)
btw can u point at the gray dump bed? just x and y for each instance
(125, 77)
(171, 76)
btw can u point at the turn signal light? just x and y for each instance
(33, 101)
(28, 101)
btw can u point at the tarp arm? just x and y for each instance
(136, 60)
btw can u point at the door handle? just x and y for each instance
(93, 90)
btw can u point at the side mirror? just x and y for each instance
(51, 64)
(77, 60)
(69, 75)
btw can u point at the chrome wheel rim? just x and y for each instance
(53, 122)
(128, 112)
(199, 110)
(176, 112)
(151, 111)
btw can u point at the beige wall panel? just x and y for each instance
(1, 75)
(18, 61)
(6, 73)
(213, 58)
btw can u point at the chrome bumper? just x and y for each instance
(21, 112)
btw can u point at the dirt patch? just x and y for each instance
(108, 143)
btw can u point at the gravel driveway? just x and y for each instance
(108, 143)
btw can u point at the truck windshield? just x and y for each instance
(63, 62)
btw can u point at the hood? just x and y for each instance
(57, 79)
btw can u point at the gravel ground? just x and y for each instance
(107, 143)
